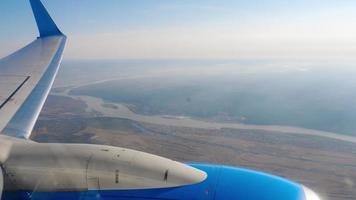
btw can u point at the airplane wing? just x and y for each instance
(27, 76)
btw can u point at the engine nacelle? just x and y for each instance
(34, 166)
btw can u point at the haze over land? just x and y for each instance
(314, 95)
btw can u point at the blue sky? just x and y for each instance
(111, 29)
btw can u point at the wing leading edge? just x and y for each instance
(27, 76)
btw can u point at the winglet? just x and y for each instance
(45, 24)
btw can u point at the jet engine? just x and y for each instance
(31, 166)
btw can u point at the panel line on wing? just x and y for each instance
(14, 92)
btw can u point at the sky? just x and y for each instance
(190, 29)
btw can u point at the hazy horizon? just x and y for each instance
(175, 29)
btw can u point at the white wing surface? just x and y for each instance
(27, 75)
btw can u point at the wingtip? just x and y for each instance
(46, 26)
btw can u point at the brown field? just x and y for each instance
(326, 165)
